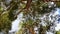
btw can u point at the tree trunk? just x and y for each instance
(30, 29)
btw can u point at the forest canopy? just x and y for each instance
(9, 9)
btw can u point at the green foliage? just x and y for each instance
(28, 22)
(11, 16)
(5, 23)
(37, 8)
(58, 4)
(1, 9)
(40, 7)
(58, 32)
(12, 13)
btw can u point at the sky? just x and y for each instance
(57, 28)
(16, 22)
